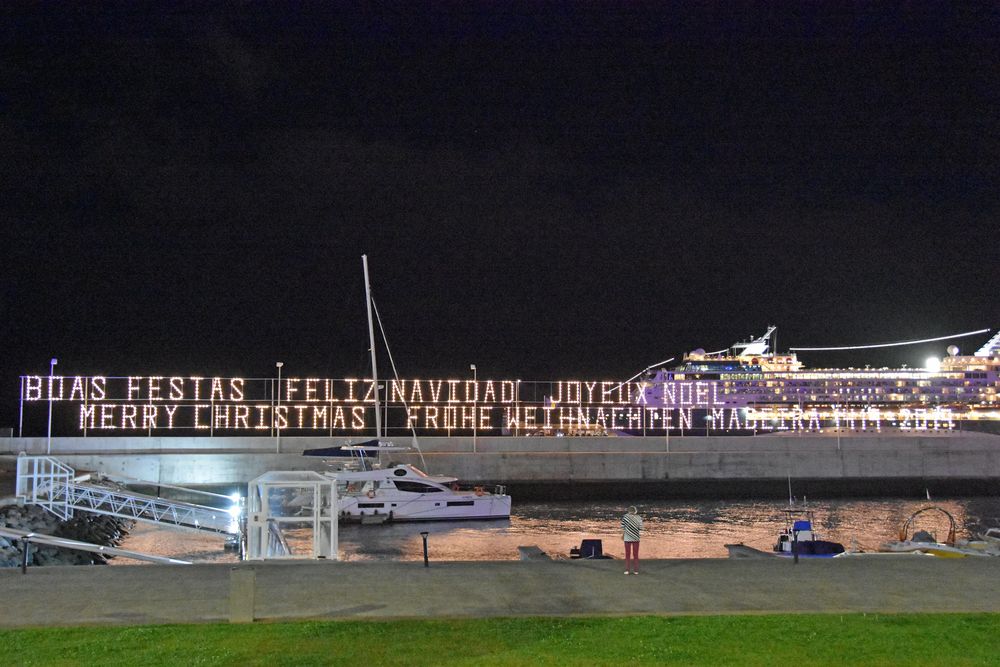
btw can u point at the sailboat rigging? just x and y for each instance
(402, 492)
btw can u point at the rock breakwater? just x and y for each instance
(98, 529)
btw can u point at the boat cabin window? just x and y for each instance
(358, 487)
(415, 487)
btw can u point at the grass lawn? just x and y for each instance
(852, 639)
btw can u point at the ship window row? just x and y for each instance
(812, 386)
(868, 375)
(923, 398)
(726, 391)
(877, 390)
(837, 393)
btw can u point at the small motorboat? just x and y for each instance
(991, 536)
(800, 538)
(925, 542)
(797, 539)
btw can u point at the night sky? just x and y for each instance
(547, 190)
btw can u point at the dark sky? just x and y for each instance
(549, 191)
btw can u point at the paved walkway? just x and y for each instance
(382, 590)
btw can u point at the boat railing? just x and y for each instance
(908, 525)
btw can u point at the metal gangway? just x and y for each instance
(26, 538)
(54, 486)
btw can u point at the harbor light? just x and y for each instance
(933, 364)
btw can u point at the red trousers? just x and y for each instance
(632, 555)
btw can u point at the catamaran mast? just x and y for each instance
(371, 342)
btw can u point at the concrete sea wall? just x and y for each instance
(963, 462)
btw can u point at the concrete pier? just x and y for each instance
(969, 460)
(150, 594)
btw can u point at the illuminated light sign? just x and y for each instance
(326, 406)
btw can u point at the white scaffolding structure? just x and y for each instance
(292, 514)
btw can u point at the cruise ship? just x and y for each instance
(751, 376)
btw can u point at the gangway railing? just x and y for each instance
(37, 479)
(27, 538)
(150, 509)
(277, 545)
(51, 484)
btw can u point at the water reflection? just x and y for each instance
(673, 529)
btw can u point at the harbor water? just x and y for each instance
(672, 529)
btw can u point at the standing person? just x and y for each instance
(631, 529)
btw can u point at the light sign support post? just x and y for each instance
(277, 411)
(20, 423)
(517, 407)
(475, 406)
(48, 442)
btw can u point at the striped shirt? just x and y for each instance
(631, 527)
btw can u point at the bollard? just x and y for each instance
(424, 535)
(26, 549)
(242, 593)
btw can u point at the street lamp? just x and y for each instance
(475, 401)
(277, 410)
(48, 444)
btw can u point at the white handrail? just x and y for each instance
(65, 543)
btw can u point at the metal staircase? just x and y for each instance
(51, 484)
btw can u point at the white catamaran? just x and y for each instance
(374, 493)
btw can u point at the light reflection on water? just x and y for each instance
(672, 529)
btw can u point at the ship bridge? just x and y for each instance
(991, 348)
(755, 347)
